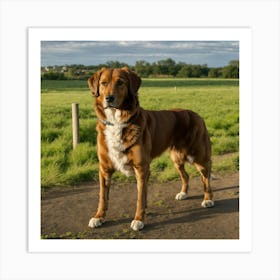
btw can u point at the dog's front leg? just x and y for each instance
(99, 218)
(142, 175)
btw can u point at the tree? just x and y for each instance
(185, 72)
(214, 73)
(162, 68)
(230, 71)
(53, 76)
(196, 71)
(169, 66)
(165, 67)
(115, 64)
(143, 68)
(234, 63)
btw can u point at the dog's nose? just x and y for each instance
(110, 98)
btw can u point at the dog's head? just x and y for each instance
(115, 88)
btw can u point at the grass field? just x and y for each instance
(217, 101)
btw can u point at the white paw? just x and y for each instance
(136, 225)
(207, 203)
(181, 196)
(95, 222)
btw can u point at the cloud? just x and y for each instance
(97, 52)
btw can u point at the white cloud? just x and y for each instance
(97, 52)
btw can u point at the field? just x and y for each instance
(217, 101)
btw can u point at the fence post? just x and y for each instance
(75, 124)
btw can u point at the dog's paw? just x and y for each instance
(137, 225)
(95, 222)
(207, 203)
(181, 196)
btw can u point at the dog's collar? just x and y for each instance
(129, 121)
(106, 122)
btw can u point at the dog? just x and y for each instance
(129, 137)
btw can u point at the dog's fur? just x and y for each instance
(129, 137)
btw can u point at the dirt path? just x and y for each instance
(65, 212)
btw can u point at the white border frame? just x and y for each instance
(262, 16)
(243, 35)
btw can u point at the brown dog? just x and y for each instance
(129, 137)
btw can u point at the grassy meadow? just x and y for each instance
(216, 100)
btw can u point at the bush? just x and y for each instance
(53, 76)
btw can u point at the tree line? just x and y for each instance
(166, 68)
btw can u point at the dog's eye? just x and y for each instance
(104, 84)
(119, 82)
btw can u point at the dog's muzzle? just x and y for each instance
(110, 98)
(110, 101)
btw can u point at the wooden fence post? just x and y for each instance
(75, 124)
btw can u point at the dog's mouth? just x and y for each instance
(110, 106)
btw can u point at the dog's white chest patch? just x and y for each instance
(113, 135)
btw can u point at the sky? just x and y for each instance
(212, 53)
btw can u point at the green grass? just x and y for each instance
(217, 101)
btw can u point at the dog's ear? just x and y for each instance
(134, 80)
(93, 82)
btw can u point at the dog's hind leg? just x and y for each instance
(205, 172)
(179, 162)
